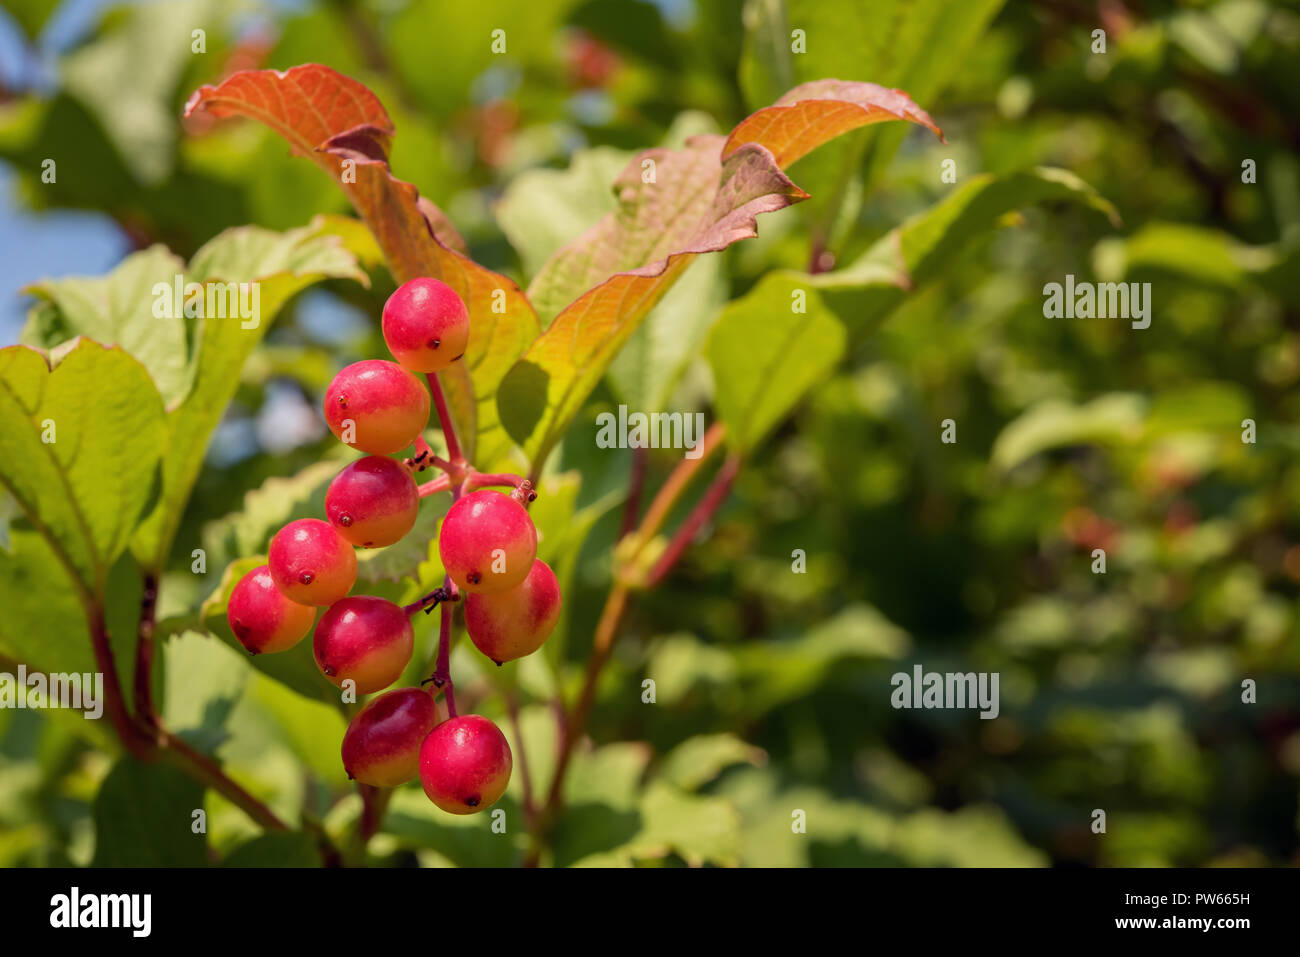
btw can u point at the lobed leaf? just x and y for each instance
(79, 450)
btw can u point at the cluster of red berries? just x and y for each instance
(488, 546)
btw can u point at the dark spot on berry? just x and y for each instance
(473, 578)
(241, 630)
(328, 670)
(498, 663)
(251, 651)
(471, 801)
(368, 545)
(343, 401)
(306, 578)
(434, 343)
(350, 777)
(461, 356)
(345, 520)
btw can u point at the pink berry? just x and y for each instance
(382, 744)
(363, 639)
(487, 542)
(373, 502)
(426, 325)
(262, 618)
(376, 406)
(465, 764)
(311, 564)
(510, 624)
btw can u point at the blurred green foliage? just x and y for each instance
(1120, 691)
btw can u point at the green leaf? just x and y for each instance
(765, 356)
(143, 818)
(130, 93)
(1203, 256)
(542, 209)
(280, 264)
(295, 849)
(698, 760)
(86, 489)
(1115, 417)
(117, 310)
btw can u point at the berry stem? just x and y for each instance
(441, 677)
(444, 418)
(424, 457)
(432, 487)
(143, 687)
(484, 479)
(426, 603)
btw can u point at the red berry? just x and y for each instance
(311, 564)
(510, 624)
(365, 639)
(376, 406)
(465, 764)
(382, 744)
(426, 325)
(262, 618)
(373, 502)
(487, 542)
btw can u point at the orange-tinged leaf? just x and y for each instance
(814, 113)
(694, 203)
(343, 128)
(701, 199)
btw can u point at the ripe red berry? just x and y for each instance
(487, 542)
(262, 618)
(311, 564)
(373, 502)
(465, 764)
(426, 325)
(376, 406)
(365, 639)
(382, 744)
(510, 624)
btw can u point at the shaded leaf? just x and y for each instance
(143, 818)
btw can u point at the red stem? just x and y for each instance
(444, 419)
(640, 465)
(715, 495)
(432, 487)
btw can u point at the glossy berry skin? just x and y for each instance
(426, 325)
(262, 618)
(365, 639)
(373, 502)
(386, 405)
(465, 764)
(382, 744)
(514, 623)
(311, 564)
(475, 528)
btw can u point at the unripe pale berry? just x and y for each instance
(487, 542)
(465, 764)
(510, 624)
(310, 563)
(376, 406)
(365, 639)
(373, 502)
(426, 325)
(382, 744)
(262, 618)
